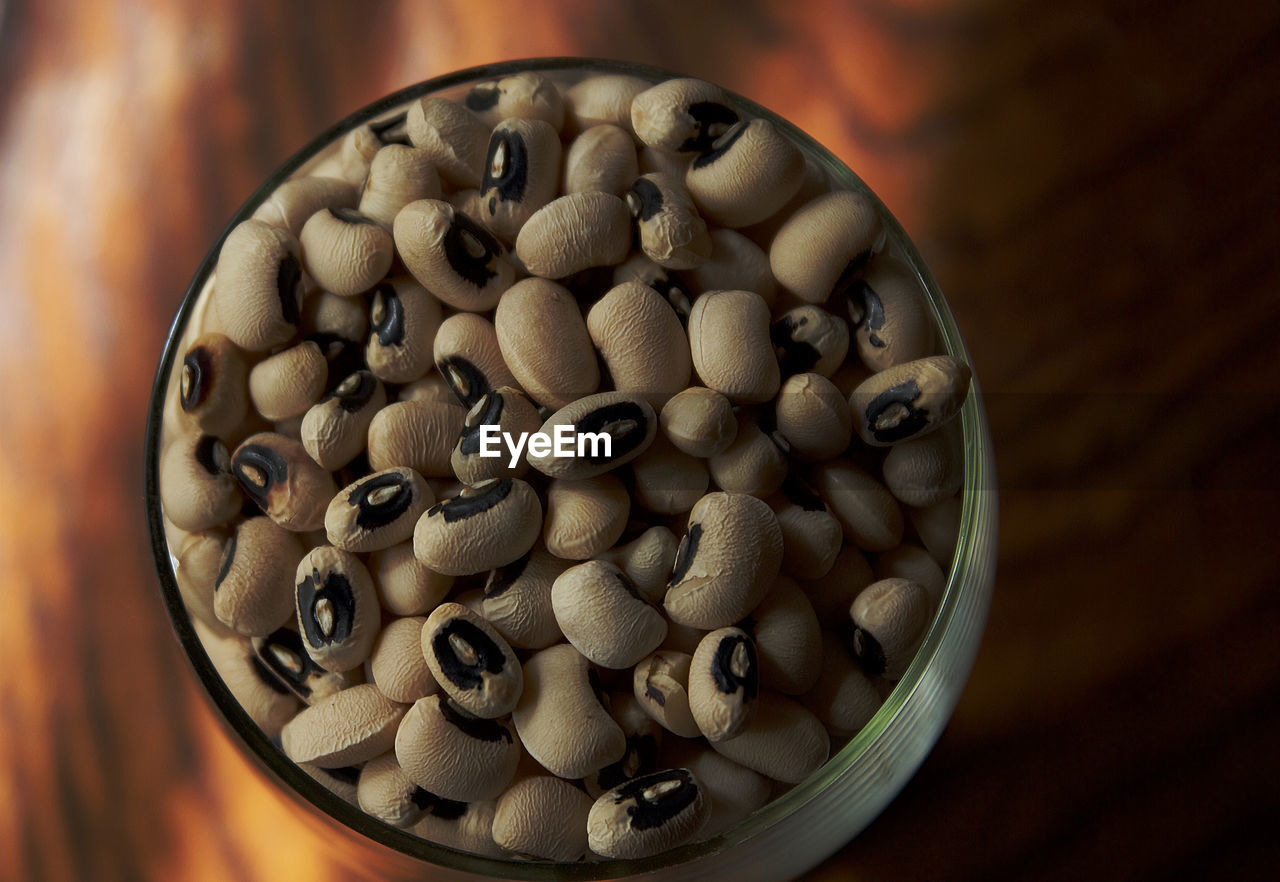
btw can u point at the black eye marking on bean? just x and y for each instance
(473, 727)
(872, 311)
(385, 130)
(335, 588)
(389, 326)
(206, 453)
(373, 515)
(869, 652)
(482, 97)
(722, 668)
(359, 397)
(720, 146)
(504, 577)
(711, 119)
(489, 658)
(647, 814)
(476, 270)
(353, 217)
(477, 382)
(228, 557)
(794, 356)
(799, 493)
(849, 276)
(648, 199)
(655, 694)
(490, 415)
(685, 553)
(266, 676)
(288, 277)
(198, 367)
(264, 460)
(290, 641)
(601, 418)
(459, 508)
(513, 177)
(905, 420)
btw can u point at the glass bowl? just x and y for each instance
(790, 834)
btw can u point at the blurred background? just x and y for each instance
(1095, 185)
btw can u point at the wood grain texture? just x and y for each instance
(1094, 184)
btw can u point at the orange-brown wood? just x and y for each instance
(1095, 185)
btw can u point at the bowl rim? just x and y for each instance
(977, 519)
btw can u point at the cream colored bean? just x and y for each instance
(453, 754)
(938, 527)
(283, 653)
(754, 463)
(782, 740)
(890, 618)
(267, 703)
(415, 434)
(699, 421)
(667, 480)
(466, 827)
(603, 616)
(348, 727)
(889, 315)
(724, 680)
(342, 782)
(345, 251)
(406, 586)
(522, 171)
(259, 286)
(748, 174)
(293, 202)
(543, 817)
(644, 738)
(517, 599)
(648, 815)
(735, 791)
(432, 387)
(912, 562)
(602, 158)
(639, 268)
(337, 608)
(388, 794)
(788, 639)
(641, 341)
(647, 560)
(455, 258)
(682, 115)
(824, 244)
(377, 511)
(808, 338)
(544, 342)
(471, 661)
(926, 470)
(398, 175)
(469, 358)
(627, 418)
(277, 474)
(604, 99)
(584, 516)
(253, 594)
(404, 319)
(813, 416)
(512, 413)
(730, 345)
(199, 557)
(661, 685)
(867, 512)
(811, 536)
(909, 400)
(213, 385)
(844, 697)
(736, 263)
(286, 384)
(672, 233)
(487, 526)
(197, 489)
(334, 430)
(454, 138)
(325, 316)
(574, 233)
(525, 95)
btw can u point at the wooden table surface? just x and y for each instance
(1096, 187)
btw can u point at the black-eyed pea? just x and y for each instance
(199, 559)
(782, 740)
(349, 727)
(672, 233)
(283, 654)
(454, 138)
(602, 158)
(471, 661)
(415, 434)
(815, 182)
(727, 561)
(603, 616)
(755, 462)
(377, 511)
(699, 421)
(889, 315)
(644, 738)
(525, 95)
(831, 594)
(355, 153)
(890, 618)
(468, 356)
(522, 173)
(641, 341)
(682, 115)
(328, 314)
(585, 516)
(926, 470)
(406, 586)
(293, 202)
(813, 416)
(463, 826)
(788, 639)
(454, 754)
(506, 410)
(253, 594)
(601, 100)
(488, 525)
(660, 684)
(337, 608)
(574, 233)
(517, 599)
(667, 480)
(736, 263)
(388, 794)
(397, 176)
(844, 697)
(724, 680)
(560, 717)
(648, 815)
(214, 384)
(544, 342)
(824, 244)
(343, 356)
(640, 268)
(730, 345)
(543, 817)
(909, 561)
(811, 536)
(403, 319)
(280, 476)
(868, 513)
(457, 260)
(938, 527)
(735, 791)
(334, 430)
(345, 251)
(612, 428)
(285, 385)
(265, 700)
(909, 399)
(197, 489)
(647, 561)
(258, 287)
(746, 175)
(808, 338)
